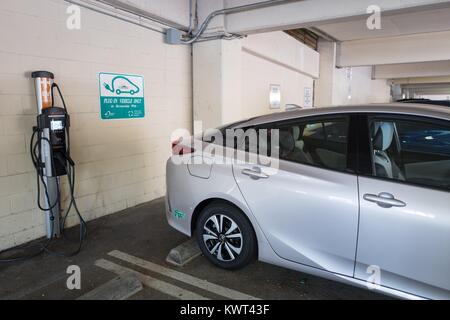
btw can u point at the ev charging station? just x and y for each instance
(43, 83)
(50, 153)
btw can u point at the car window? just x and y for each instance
(413, 151)
(321, 143)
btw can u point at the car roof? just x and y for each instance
(432, 111)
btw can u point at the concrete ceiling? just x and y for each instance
(392, 25)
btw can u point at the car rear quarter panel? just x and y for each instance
(185, 192)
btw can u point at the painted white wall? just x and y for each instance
(119, 164)
(217, 82)
(258, 74)
(275, 58)
(232, 78)
(363, 89)
(346, 86)
(280, 48)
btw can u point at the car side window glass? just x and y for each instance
(413, 151)
(318, 143)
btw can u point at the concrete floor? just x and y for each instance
(143, 232)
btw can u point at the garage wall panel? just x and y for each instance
(120, 164)
(275, 58)
(259, 74)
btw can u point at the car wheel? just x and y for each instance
(225, 236)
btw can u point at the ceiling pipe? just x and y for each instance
(90, 6)
(247, 7)
(117, 4)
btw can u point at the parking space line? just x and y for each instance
(182, 277)
(161, 286)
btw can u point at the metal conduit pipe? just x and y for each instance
(117, 4)
(90, 7)
(247, 7)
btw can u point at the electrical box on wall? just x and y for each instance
(173, 36)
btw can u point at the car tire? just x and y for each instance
(225, 236)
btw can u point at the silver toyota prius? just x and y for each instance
(356, 194)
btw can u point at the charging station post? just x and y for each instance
(43, 84)
(50, 153)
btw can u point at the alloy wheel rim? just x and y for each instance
(223, 237)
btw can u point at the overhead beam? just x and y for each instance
(300, 14)
(421, 80)
(412, 70)
(415, 48)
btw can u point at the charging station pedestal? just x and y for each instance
(43, 83)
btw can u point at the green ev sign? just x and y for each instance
(121, 96)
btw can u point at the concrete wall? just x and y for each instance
(275, 58)
(361, 87)
(258, 74)
(232, 78)
(119, 164)
(345, 86)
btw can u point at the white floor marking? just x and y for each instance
(119, 288)
(182, 277)
(164, 287)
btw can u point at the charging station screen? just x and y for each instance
(56, 125)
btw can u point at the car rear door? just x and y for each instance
(404, 230)
(308, 206)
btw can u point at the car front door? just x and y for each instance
(404, 232)
(308, 206)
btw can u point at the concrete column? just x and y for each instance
(217, 67)
(324, 85)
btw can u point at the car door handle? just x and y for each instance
(384, 200)
(255, 173)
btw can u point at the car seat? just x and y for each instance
(382, 141)
(300, 144)
(288, 150)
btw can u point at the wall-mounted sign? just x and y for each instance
(121, 96)
(275, 96)
(308, 98)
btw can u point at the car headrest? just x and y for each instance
(374, 127)
(300, 144)
(384, 136)
(296, 132)
(287, 141)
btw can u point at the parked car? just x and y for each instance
(361, 195)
